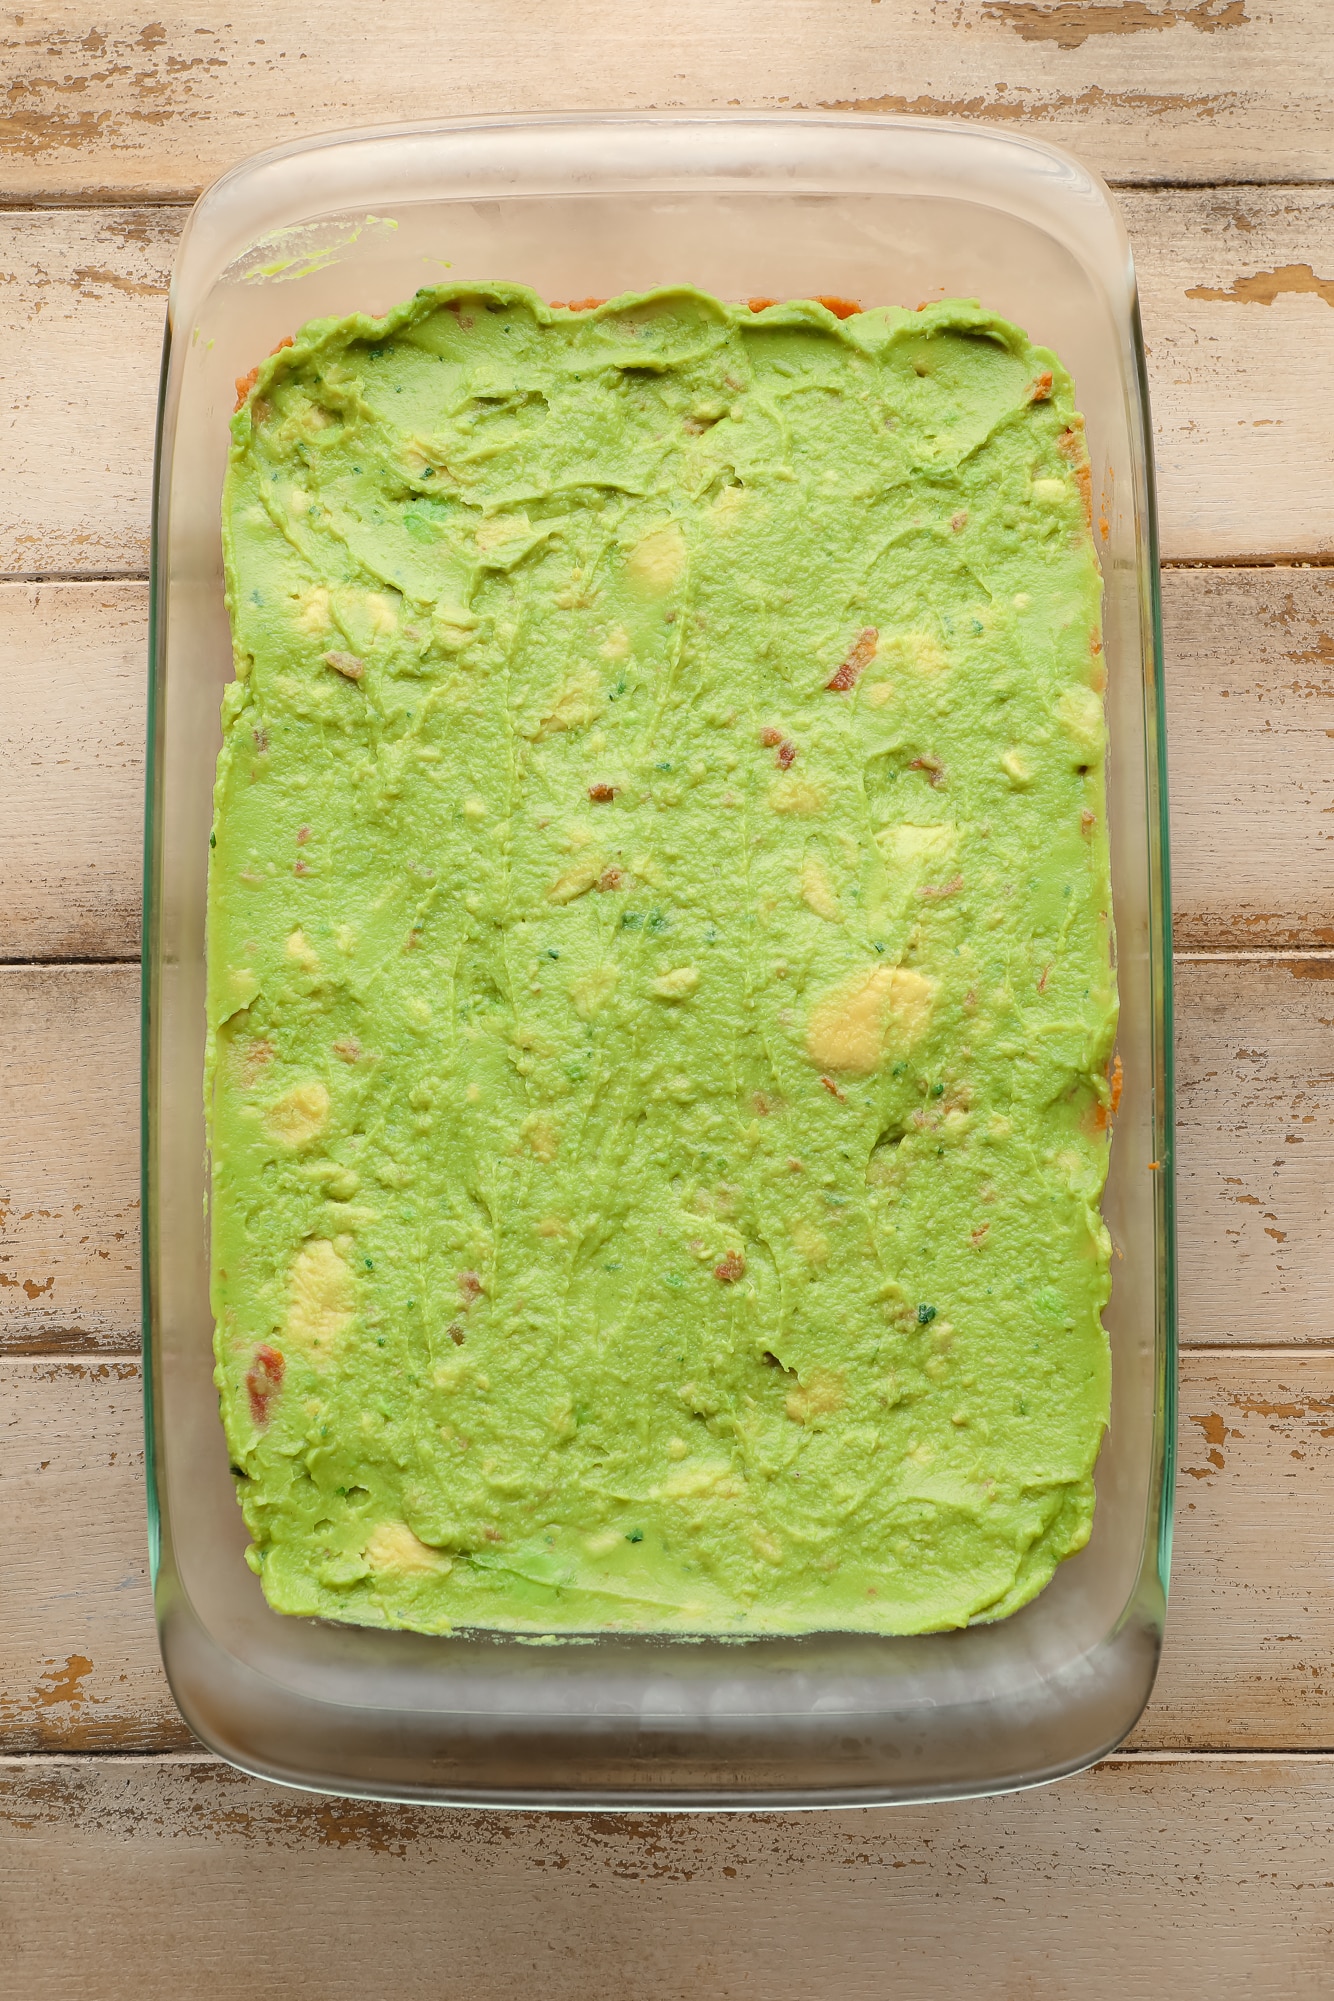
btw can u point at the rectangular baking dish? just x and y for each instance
(887, 211)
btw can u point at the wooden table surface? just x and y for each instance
(1198, 1861)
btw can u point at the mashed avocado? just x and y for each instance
(660, 982)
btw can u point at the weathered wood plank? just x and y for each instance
(1249, 1662)
(1255, 1148)
(1238, 290)
(73, 669)
(1250, 698)
(1250, 673)
(1171, 90)
(1138, 1879)
(81, 318)
(79, 1667)
(69, 1158)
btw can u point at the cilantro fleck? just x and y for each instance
(925, 1315)
(635, 1535)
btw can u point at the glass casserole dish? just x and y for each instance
(882, 210)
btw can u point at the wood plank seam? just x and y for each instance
(1289, 560)
(133, 959)
(29, 1760)
(75, 577)
(1219, 1351)
(92, 201)
(1261, 955)
(204, 1761)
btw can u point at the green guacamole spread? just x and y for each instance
(660, 988)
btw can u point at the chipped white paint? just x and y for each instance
(1243, 391)
(1250, 701)
(1249, 1662)
(1155, 89)
(1197, 1878)
(1255, 1148)
(69, 1157)
(79, 1668)
(82, 309)
(73, 670)
(1250, 677)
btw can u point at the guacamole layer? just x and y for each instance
(660, 988)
